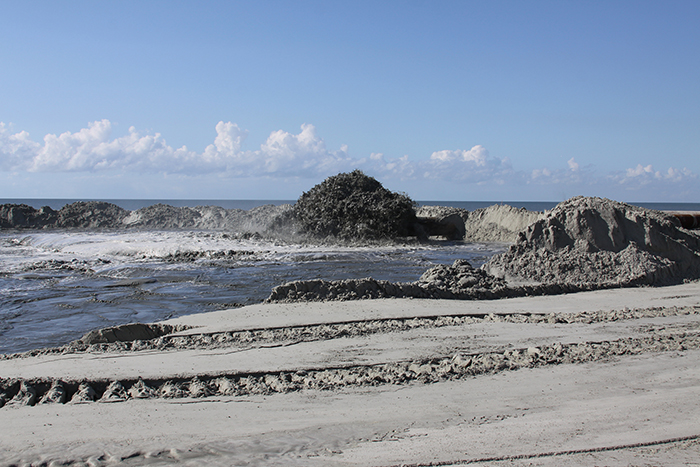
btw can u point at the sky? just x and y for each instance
(442, 100)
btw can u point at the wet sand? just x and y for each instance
(608, 377)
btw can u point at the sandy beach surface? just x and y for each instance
(609, 377)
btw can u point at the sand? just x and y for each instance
(609, 377)
(601, 377)
(601, 242)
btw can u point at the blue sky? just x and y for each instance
(498, 100)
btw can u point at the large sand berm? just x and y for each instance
(497, 223)
(582, 244)
(602, 242)
(103, 215)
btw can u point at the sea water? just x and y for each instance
(57, 285)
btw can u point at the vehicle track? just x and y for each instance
(20, 392)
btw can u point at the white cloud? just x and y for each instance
(226, 147)
(541, 173)
(299, 154)
(639, 171)
(304, 155)
(472, 165)
(673, 183)
(92, 149)
(573, 175)
(380, 165)
(15, 149)
(638, 183)
(478, 155)
(644, 175)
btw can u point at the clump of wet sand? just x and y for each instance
(458, 281)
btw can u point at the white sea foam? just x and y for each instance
(124, 246)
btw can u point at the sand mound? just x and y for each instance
(128, 333)
(90, 215)
(497, 223)
(82, 214)
(582, 244)
(101, 215)
(603, 242)
(458, 281)
(24, 216)
(353, 206)
(163, 216)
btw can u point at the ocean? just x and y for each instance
(55, 285)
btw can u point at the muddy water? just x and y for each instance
(56, 286)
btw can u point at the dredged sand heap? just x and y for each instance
(103, 215)
(582, 244)
(599, 241)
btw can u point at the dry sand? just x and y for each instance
(610, 377)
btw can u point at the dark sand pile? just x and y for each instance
(355, 207)
(102, 215)
(459, 281)
(348, 207)
(82, 214)
(596, 241)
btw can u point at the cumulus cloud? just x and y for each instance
(15, 149)
(641, 182)
(477, 156)
(648, 183)
(93, 149)
(89, 149)
(647, 174)
(474, 165)
(305, 155)
(573, 165)
(401, 167)
(573, 174)
(288, 153)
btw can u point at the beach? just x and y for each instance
(577, 344)
(608, 377)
